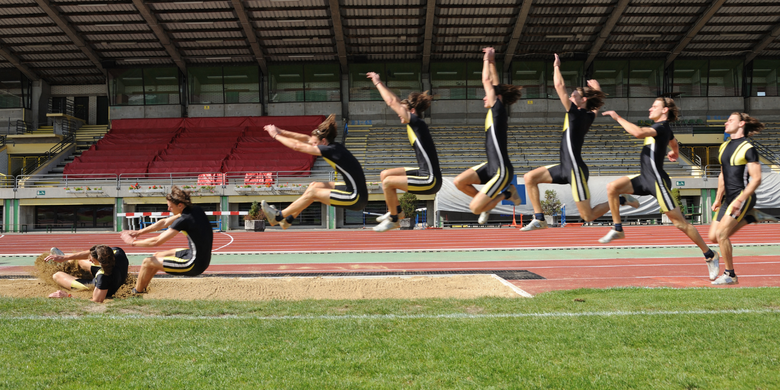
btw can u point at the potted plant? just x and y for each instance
(551, 206)
(135, 188)
(409, 207)
(254, 221)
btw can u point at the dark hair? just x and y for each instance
(594, 97)
(105, 256)
(420, 101)
(673, 112)
(752, 125)
(327, 129)
(509, 93)
(179, 196)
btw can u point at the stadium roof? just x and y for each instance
(73, 42)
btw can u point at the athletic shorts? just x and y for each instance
(90, 282)
(646, 185)
(184, 263)
(420, 181)
(738, 214)
(494, 182)
(577, 178)
(350, 199)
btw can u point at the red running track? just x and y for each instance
(559, 274)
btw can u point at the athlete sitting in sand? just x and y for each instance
(190, 261)
(108, 267)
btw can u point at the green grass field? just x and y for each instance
(589, 339)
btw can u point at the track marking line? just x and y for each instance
(514, 288)
(231, 241)
(455, 316)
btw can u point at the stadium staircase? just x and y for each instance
(86, 136)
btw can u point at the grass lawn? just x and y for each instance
(592, 339)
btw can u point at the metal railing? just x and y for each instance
(712, 170)
(212, 182)
(765, 152)
(50, 154)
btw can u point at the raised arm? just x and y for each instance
(560, 85)
(83, 255)
(487, 78)
(291, 134)
(636, 131)
(292, 143)
(389, 97)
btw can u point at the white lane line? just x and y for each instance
(231, 241)
(514, 288)
(455, 316)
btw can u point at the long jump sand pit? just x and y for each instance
(287, 288)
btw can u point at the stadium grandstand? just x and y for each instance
(104, 105)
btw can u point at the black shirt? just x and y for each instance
(338, 157)
(422, 142)
(654, 149)
(197, 227)
(733, 157)
(118, 274)
(576, 126)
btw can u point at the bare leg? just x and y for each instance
(727, 226)
(465, 182)
(392, 180)
(589, 214)
(614, 189)
(149, 267)
(680, 223)
(66, 280)
(532, 180)
(482, 203)
(316, 192)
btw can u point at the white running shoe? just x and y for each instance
(387, 224)
(515, 197)
(534, 225)
(483, 217)
(713, 266)
(725, 279)
(631, 201)
(56, 251)
(270, 213)
(386, 216)
(612, 235)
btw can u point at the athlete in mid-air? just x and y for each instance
(351, 194)
(653, 180)
(581, 108)
(740, 176)
(496, 174)
(423, 179)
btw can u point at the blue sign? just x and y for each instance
(520, 191)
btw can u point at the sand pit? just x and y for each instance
(263, 289)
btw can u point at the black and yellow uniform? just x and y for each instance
(653, 180)
(426, 177)
(194, 260)
(572, 169)
(352, 194)
(734, 157)
(109, 282)
(497, 172)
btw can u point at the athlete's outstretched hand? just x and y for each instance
(272, 130)
(54, 258)
(374, 77)
(593, 84)
(490, 54)
(127, 237)
(557, 61)
(613, 114)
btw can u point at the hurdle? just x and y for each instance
(163, 214)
